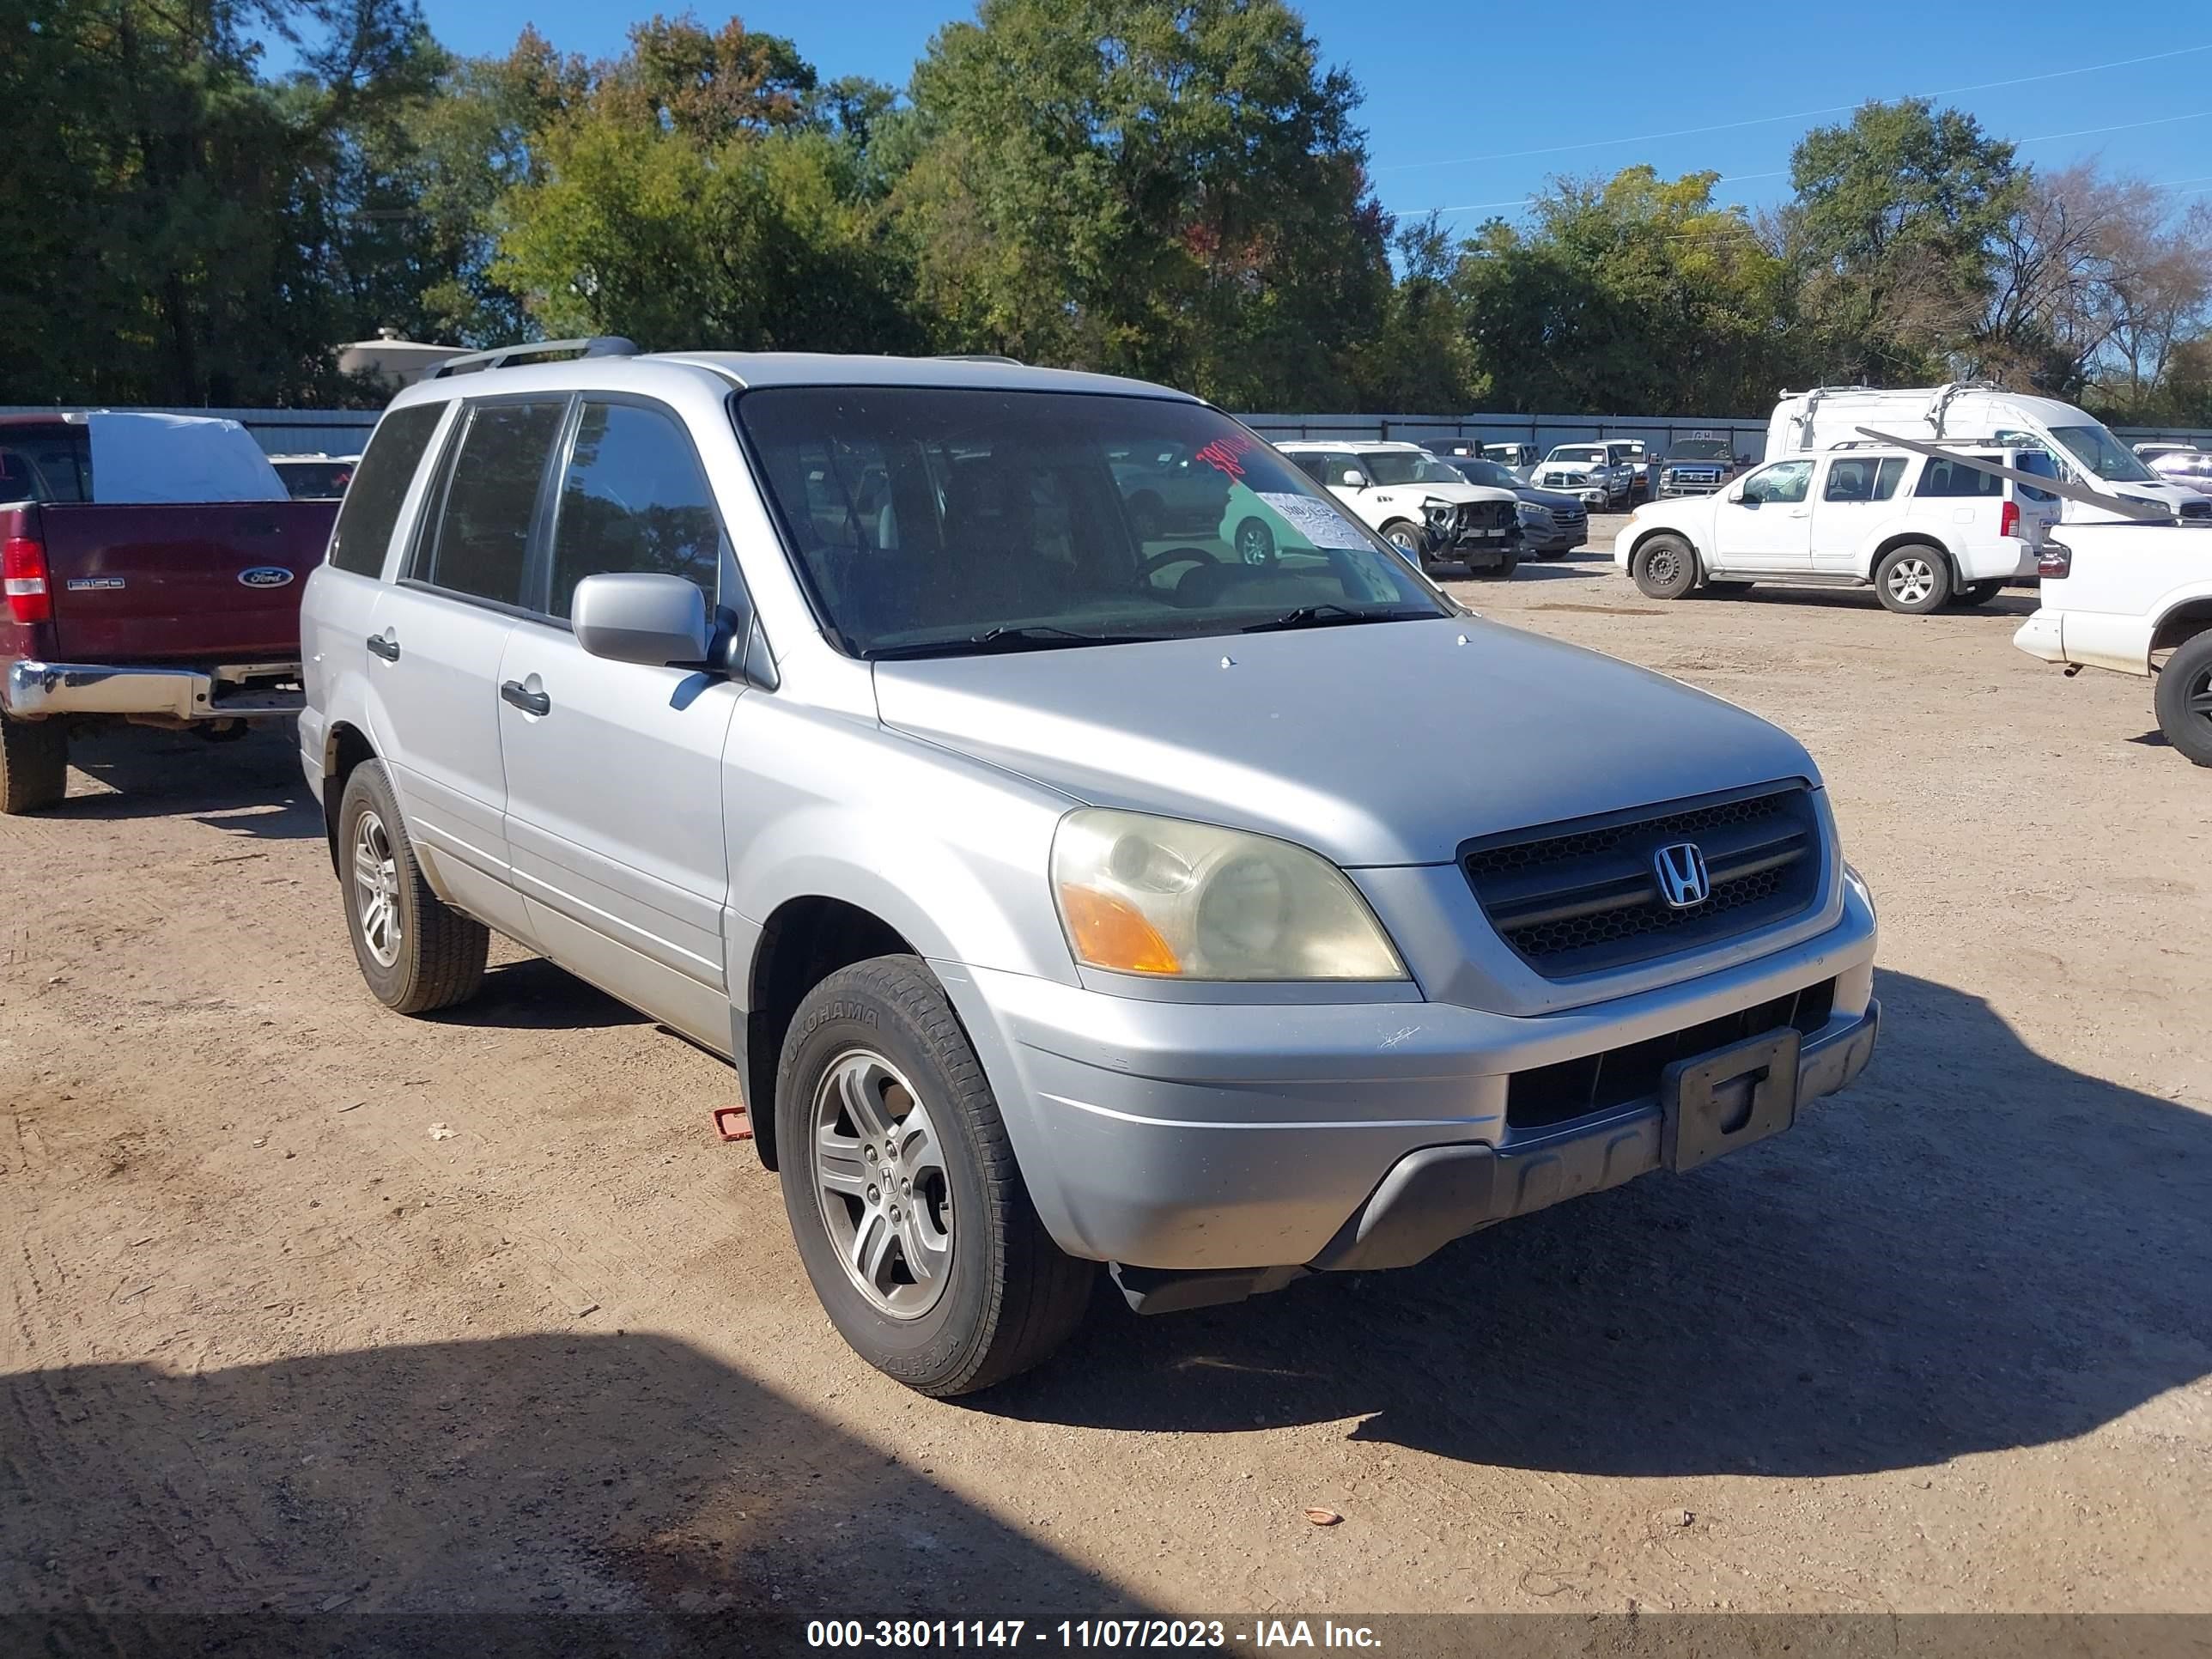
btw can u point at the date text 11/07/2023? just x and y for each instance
(1085, 1633)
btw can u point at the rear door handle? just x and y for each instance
(530, 702)
(386, 648)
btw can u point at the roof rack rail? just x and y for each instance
(598, 345)
(979, 357)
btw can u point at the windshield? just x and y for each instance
(936, 522)
(1483, 473)
(2104, 454)
(315, 481)
(1404, 466)
(1572, 453)
(1700, 449)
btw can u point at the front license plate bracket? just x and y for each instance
(1717, 1102)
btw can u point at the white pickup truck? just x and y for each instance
(2135, 598)
(1924, 531)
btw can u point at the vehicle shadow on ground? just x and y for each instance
(250, 787)
(535, 995)
(1975, 1249)
(480, 1481)
(2016, 603)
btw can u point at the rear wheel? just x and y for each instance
(2185, 699)
(34, 763)
(1665, 567)
(906, 1204)
(416, 953)
(1912, 579)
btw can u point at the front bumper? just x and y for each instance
(38, 690)
(1439, 1193)
(1238, 1136)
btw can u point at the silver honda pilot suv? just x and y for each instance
(1220, 906)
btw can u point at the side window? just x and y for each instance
(633, 499)
(483, 543)
(1849, 479)
(372, 505)
(1862, 478)
(2036, 461)
(1785, 483)
(1955, 479)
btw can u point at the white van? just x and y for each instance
(1830, 417)
(1923, 530)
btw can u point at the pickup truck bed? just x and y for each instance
(174, 614)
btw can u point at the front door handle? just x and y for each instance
(530, 702)
(386, 648)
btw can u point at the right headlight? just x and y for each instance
(1165, 897)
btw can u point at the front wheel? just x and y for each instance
(2185, 699)
(1256, 543)
(906, 1204)
(416, 953)
(1664, 568)
(1406, 537)
(1912, 579)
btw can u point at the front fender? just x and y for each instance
(952, 852)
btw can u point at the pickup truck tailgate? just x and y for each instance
(208, 582)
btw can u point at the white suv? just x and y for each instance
(1924, 531)
(1417, 503)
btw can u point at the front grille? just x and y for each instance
(2196, 509)
(1582, 898)
(1620, 1077)
(1564, 481)
(1486, 515)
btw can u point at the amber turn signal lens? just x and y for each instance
(1109, 934)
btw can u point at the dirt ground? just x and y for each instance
(314, 1307)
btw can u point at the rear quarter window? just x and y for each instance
(1956, 479)
(373, 499)
(46, 464)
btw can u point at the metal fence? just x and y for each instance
(279, 431)
(344, 431)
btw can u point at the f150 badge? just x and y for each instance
(265, 576)
(92, 584)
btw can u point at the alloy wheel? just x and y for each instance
(1912, 582)
(886, 1198)
(376, 888)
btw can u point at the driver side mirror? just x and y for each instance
(1353, 478)
(1735, 494)
(657, 621)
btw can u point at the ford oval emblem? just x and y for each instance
(265, 576)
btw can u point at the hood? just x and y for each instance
(1570, 466)
(1376, 743)
(1460, 494)
(1551, 498)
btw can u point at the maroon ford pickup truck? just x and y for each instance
(183, 614)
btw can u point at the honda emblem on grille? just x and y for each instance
(1681, 869)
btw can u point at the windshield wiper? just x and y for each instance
(1327, 616)
(1036, 636)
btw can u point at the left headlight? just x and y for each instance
(1858, 884)
(1165, 897)
(1534, 512)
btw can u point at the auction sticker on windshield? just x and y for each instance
(1317, 521)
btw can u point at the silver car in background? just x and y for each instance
(1221, 911)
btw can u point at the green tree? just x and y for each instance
(697, 196)
(173, 211)
(1635, 293)
(1168, 188)
(1895, 225)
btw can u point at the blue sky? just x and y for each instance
(1471, 106)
